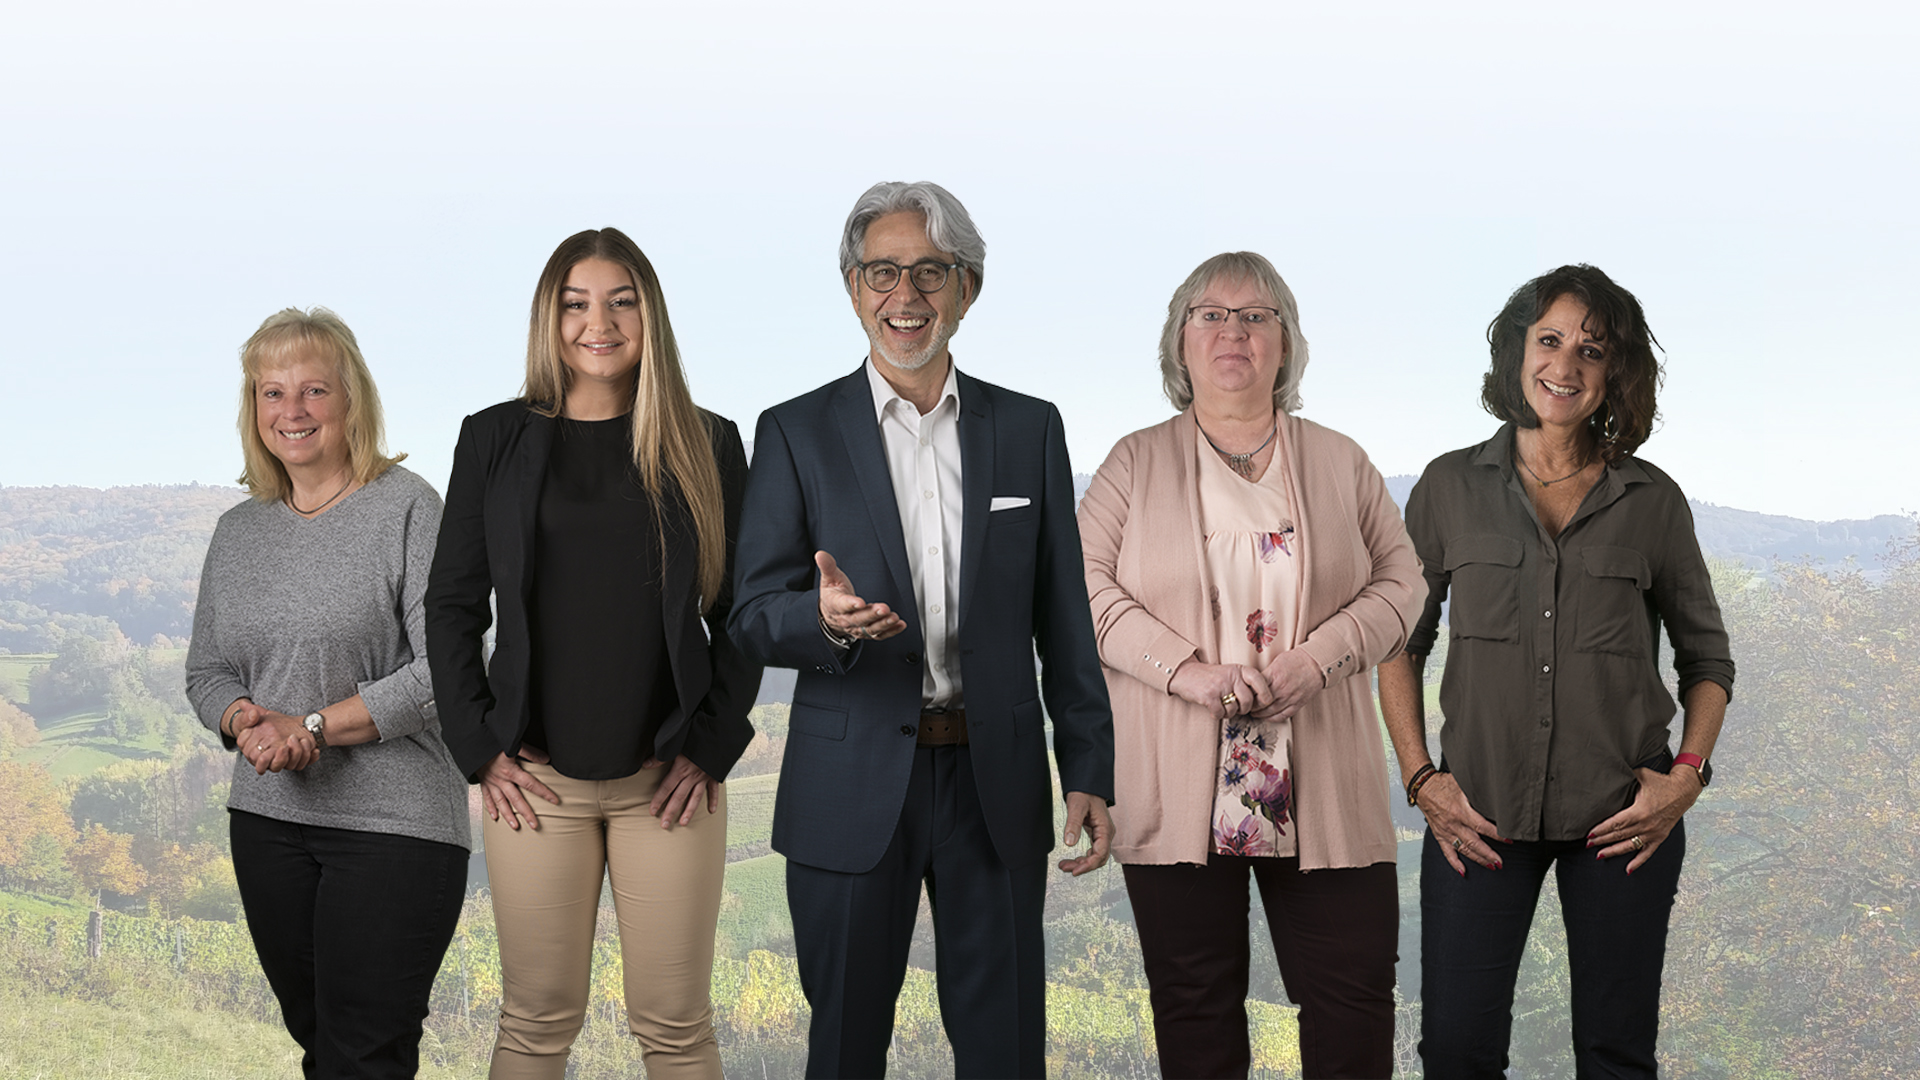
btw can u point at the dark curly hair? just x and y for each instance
(1613, 317)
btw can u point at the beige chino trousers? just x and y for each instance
(546, 898)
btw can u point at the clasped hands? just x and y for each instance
(1228, 690)
(271, 741)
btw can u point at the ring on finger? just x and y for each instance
(1229, 699)
(1457, 845)
(1639, 843)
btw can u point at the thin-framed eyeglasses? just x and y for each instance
(927, 276)
(1250, 317)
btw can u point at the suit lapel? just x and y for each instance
(530, 463)
(976, 484)
(853, 409)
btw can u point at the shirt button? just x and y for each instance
(936, 609)
(906, 729)
(1547, 614)
(1544, 722)
(924, 442)
(934, 550)
(1546, 667)
(928, 494)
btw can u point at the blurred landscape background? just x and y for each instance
(1795, 948)
(174, 173)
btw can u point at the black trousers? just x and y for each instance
(350, 927)
(851, 934)
(1335, 935)
(1473, 933)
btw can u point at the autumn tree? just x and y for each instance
(1796, 944)
(103, 862)
(38, 833)
(17, 729)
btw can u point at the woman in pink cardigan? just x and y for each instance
(1246, 569)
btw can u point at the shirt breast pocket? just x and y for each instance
(1484, 586)
(1611, 611)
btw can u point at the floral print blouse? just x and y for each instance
(1253, 575)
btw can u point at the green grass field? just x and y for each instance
(753, 910)
(14, 670)
(76, 744)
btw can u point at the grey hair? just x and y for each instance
(1233, 266)
(949, 227)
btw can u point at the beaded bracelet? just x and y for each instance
(1420, 777)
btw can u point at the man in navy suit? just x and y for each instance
(909, 544)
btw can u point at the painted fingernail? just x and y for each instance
(1497, 864)
(1463, 871)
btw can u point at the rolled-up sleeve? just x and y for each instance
(401, 703)
(1683, 594)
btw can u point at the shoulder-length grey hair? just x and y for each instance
(1233, 266)
(949, 226)
(288, 336)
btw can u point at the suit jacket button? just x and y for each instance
(907, 729)
(913, 658)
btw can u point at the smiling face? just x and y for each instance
(909, 329)
(302, 412)
(1230, 359)
(1563, 372)
(600, 324)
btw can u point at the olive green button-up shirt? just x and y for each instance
(1552, 693)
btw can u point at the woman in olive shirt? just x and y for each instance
(1563, 554)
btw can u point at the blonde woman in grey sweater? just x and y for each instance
(349, 822)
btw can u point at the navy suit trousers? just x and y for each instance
(852, 932)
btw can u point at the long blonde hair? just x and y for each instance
(672, 449)
(280, 340)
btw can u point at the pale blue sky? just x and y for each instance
(173, 175)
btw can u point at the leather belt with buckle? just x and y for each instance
(947, 727)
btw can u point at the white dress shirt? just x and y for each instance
(923, 458)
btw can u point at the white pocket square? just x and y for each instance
(1007, 502)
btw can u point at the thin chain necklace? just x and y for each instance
(1536, 476)
(1240, 463)
(323, 505)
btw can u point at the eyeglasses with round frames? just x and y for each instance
(1250, 317)
(927, 276)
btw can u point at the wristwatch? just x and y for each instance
(317, 727)
(1700, 765)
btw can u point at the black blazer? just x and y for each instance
(486, 549)
(820, 482)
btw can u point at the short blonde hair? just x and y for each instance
(320, 334)
(1233, 266)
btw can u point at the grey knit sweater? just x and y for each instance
(298, 614)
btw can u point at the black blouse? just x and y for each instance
(602, 680)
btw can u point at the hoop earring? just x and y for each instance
(1609, 432)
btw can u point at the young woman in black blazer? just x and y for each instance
(598, 511)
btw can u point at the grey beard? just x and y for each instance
(915, 361)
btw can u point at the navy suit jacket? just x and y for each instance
(819, 482)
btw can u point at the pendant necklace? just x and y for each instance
(1240, 463)
(1536, 476)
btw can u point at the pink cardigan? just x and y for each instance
(1361, 592)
